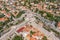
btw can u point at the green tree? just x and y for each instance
(44, 38)
(20, 13)
(1, 23)
(18, 38)
(1, 15)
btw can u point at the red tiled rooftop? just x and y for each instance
(58, 24)
(19, 30)
(8, 15)
(2, 19)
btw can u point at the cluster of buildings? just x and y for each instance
(9, 13)
(29, 20)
